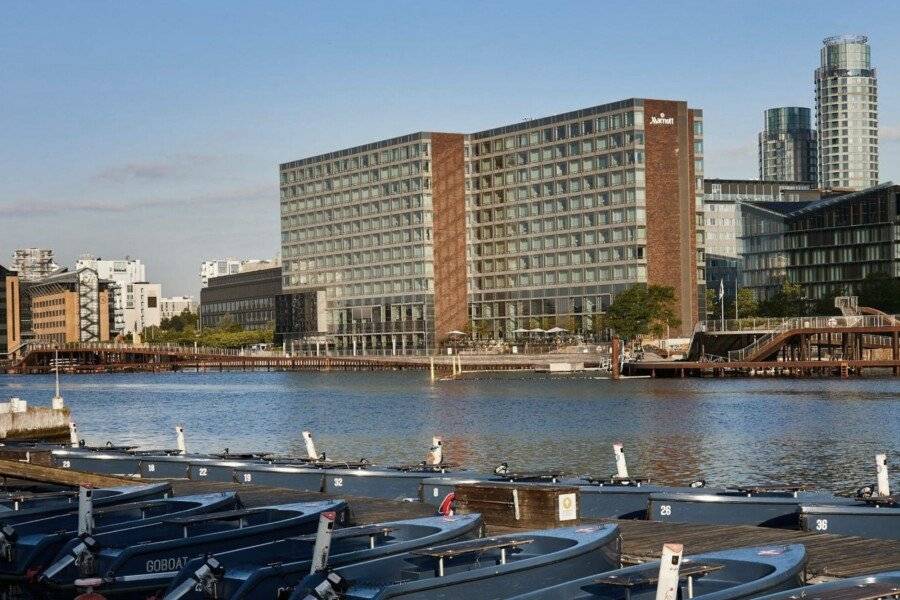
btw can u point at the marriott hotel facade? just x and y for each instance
(535, 224)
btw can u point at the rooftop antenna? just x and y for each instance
(57, 399)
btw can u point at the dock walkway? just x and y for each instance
(830, 556)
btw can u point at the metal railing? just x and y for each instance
(779, 326)
(166, 348)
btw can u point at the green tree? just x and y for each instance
(880, 291)
(641, 310)
(747, 306)
(788, 301)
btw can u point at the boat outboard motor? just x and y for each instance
(700, 483)
(503, 469)
(83, 555)
(8, 538)
(207, 578)
(327, 586)
(866, 491)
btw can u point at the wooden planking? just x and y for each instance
(33, 472)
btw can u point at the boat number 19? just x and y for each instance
(665, 510)
(821, 524)
(248, 477)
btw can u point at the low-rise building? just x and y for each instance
(828, 246)
(233, 266)
(144, 311)
(174, 306)
(247, 299)
(10, 335)
(71, 307)
(124, 273)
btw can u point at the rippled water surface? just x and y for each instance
(818, 431)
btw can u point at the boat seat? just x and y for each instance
(883, 500)
(423, 468)
(350, 532)
(651, 576)
(531, 476)
(762, 489)
(21, 497)
(865, 591)
(141, 505)
(479, 545)
(616, 480)
(225, 515)
(241, 455)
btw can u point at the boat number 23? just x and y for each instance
(821, 524)
(665, 510)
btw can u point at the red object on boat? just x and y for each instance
(446, 507)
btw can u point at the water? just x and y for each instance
(822, 432)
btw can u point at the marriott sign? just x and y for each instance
(662, 119)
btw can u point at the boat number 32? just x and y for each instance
(665, 510)
(821, 524)
(338, 482)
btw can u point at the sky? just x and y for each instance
(155, 129)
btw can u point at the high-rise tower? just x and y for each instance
(787, 146)
(847, 114)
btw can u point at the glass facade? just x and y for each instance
(787, 146)
(847, 114)
(558, 219)
(247, 299)
(555, 224)
(357, 224)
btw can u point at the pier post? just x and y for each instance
(895, 351)
(432, 369)
(615, 357)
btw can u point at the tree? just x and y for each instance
(747, 306)
(712, 304)
(880, 291)
(788, 301)
(641, 310)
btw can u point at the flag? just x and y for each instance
(721, 289)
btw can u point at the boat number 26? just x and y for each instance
(665, 510)
(821, 524)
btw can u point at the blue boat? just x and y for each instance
(30, 546)
(105, 462)
(267, 570)
(769, 506)
(727, 575)
(393, 483)
(284, 475)
(872, 517)
(867, 587)
(147, 557)
(485, 568)
(18, 509)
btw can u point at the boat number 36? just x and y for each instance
(665, 510)
(821, 524)
(338, 482)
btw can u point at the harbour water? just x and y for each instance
(727, 431)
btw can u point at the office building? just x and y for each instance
(787, 146)
(414, 237)
(71, 307)
(10, 336)
(124, 273)
(144, 310)
(827, 246)
(847, 114)
(247, 299)
(232, 266)
(723, 204)
(34, 264)
(174, 306)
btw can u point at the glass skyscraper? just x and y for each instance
(787, 146)
(847, 114)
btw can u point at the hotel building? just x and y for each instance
(542, 221)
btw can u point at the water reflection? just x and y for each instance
(816, 432)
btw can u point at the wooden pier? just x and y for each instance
(830, 556)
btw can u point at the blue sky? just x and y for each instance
(155, 129)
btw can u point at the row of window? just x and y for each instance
(558, 205)
(553, 242)
(616, 273)
(372, 240)
(560, 132)
(364, 209)
(551, 153)
(401, 186)
(346, 228)
(587, 305)
(242, 305)
(363, 178)
(562, 259)
(353, 163)
(603, 162)
(381, 255)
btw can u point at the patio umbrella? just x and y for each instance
(537, 330)
(456, 332)
(521, 330)
(556, 330)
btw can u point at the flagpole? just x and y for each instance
(722, 301)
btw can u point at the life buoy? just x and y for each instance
(90, 596)
(446, 508)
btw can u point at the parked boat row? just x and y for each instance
(873, 512)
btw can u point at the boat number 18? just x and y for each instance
(665, 510)
(821, 524)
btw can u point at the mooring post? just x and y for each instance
(615, 357)
(895, 352)
(432, 369)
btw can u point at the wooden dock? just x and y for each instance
(830, 556)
